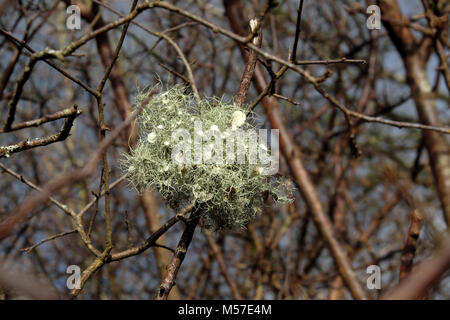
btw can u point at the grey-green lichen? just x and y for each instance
(229, 195)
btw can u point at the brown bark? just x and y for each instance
(123, 105)
(106, 53)
(415, 58)
(223, 266)
(409, 250)
(423, 277)
(174, 266)
(153, 220)
(294, 158)
(338, 210)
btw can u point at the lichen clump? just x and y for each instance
(228, 194)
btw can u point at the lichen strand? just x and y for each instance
(230, 195)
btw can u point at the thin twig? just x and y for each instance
(55, 236)
(409, 250)
(172, 269)
(422, 277)
(223, 267)
(330, 61)
(47, 118)
(255, 25)
(32, 201)
(6, 151)
(297, 30)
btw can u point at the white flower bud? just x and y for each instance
(238, 119)
(151, 137)
(253, 24)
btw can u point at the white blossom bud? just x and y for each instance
(151, 137)
(238, 119)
